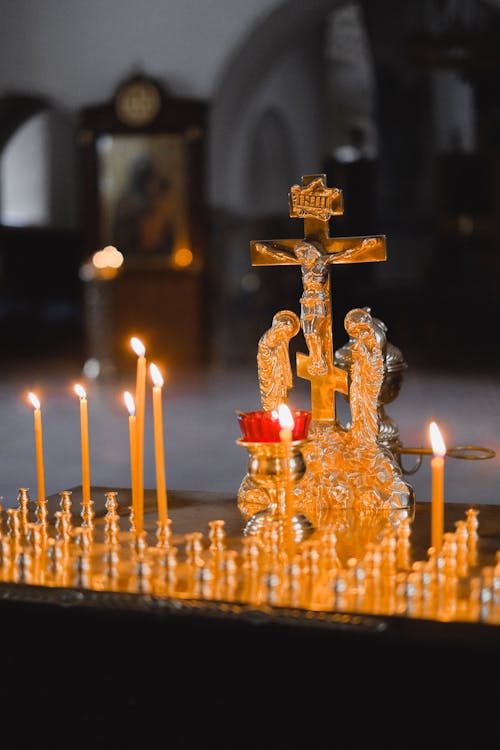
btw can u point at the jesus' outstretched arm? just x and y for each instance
(276, 252)
(363, 246)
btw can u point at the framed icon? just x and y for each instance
(143, 161)
(143, 193)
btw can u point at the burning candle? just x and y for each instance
(286, 421)
(140, 403)
(84, 435)
(437, 467)
(161, 490)
(37, 416)
(132, 428)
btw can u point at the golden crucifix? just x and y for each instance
(316, 204)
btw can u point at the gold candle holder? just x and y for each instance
(23, 500)
(271, 465)
(87, 515)
(139, 546)
(42, 514)
(14, 528)
(111, 573)
(163, 533)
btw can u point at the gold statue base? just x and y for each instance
(346, 474)
(341, 477)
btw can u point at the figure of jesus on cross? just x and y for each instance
(316, 203)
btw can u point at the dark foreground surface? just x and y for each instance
(108, 670)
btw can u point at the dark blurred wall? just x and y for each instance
(280, 103)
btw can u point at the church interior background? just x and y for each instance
(396, 103)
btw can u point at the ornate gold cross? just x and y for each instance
(316, 204)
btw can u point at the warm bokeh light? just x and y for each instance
(129, 402)
(114, 257)
(137, 346)
(99, 260)
(35, 403)
(156, 375)
(108, 257)
(285, 417)
(80, 391)
(182, 257)
(437, 442)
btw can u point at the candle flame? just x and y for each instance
(437, 442)
(137, 346)
(80, 391)
(156, 375)
(285, 417)
(34, 400)
(129, 402)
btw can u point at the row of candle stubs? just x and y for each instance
(136, 409)
(313, 574)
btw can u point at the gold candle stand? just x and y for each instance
(271, 466)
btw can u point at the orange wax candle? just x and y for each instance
(132, 428)
(437, 468)
(140, 404)
(161, 488)
(286, 424)
(37, 416)
(286, 421)
(84, 434)
(285, 435)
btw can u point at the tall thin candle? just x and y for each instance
(437, 468)
(132, 428)
(161, 488)
(84, 439)
(140, 404)
(286, 421)
(37, 416)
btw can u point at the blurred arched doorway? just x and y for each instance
(40, 306)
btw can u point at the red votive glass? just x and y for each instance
(264, 426)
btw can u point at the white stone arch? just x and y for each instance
(38, 165)
(24, 175)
